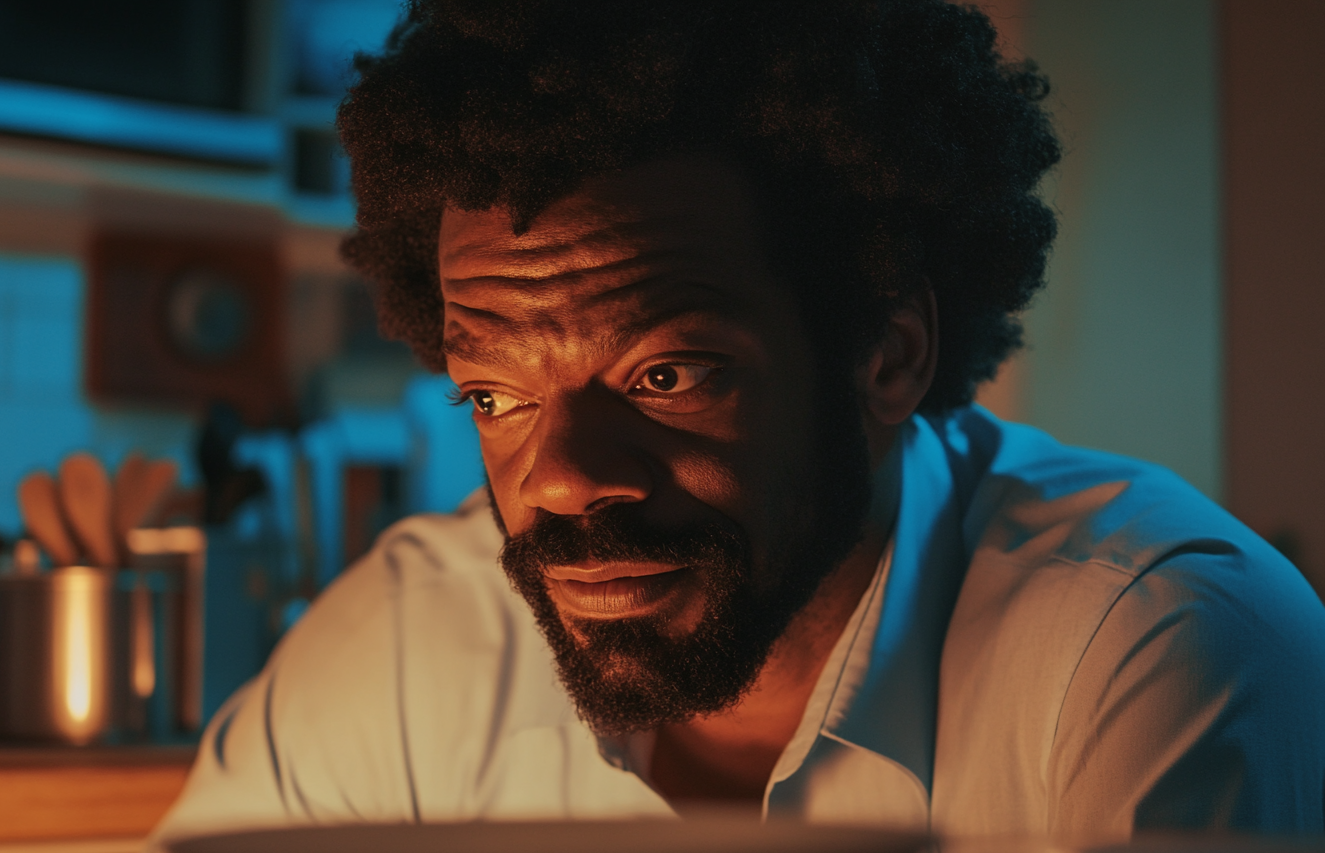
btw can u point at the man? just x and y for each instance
(718, 283)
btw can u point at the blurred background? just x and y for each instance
(172, 195)
(1182, 321)
(171, 199)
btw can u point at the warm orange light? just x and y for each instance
(144, 664)
(78, 648)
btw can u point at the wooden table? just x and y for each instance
(67, 793)
(80, 845)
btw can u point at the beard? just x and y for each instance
(631, 674)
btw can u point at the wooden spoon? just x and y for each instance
(128, 489)
(140, 488)
(86, 495)
(128, 485)
(39, 502)
(157, 485)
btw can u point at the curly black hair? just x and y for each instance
(891, 147)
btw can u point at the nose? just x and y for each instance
(585, 455)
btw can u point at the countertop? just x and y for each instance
(84, 796)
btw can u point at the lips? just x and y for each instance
(614, 590)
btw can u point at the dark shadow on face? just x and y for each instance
(629, 674)
(724, 501)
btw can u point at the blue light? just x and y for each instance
(123, 122)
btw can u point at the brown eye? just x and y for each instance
(673, 378)
(492, 404)
(662, 378)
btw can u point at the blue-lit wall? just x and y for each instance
(43, 412)
(1127, 339)
(1125, 345)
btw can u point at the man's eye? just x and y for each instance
(491, 404)
(673, 378)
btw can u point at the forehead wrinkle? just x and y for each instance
(545, 253)
(644, 302)
(579, 333)
(544, 289)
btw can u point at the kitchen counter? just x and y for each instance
(67, 793)
(94, 845)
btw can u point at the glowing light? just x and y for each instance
(144, 666)
(78, 649)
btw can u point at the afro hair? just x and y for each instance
(891, 147)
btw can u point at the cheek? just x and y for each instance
(761, 479)
(712, 478)
(504, 476)
(744, 482)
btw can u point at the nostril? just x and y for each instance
(608, 501)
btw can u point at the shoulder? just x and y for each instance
(1031, 500)
(417, 687)
(1196, 702)
(421, 644)
(1060, 533)
(1108, 605)
(451, 560)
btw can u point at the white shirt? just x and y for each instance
(1058, 642)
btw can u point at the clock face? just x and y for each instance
(209, 316)
(182, 322)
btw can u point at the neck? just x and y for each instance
(727, 758)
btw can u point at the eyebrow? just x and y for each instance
(666, 298)
(469, 347)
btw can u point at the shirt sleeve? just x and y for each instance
(401, 656)
(1197, 705)
(234, 782)
(288, 748)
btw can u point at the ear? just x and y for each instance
(900, 369)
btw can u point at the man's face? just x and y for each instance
(674, 475)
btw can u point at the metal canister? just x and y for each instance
(55, 655)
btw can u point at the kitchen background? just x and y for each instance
(172, 196)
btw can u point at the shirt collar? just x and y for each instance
(879, 688)
(892, 710)
(841, 677)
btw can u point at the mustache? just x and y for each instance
(620, 533)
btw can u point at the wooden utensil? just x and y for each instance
(157, 484)
(39, 502)
(140, 488)
(128, 489)
(27, 558)
(85, 494)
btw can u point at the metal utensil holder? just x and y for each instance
(55, 660)
(90, 654)
(159, 626)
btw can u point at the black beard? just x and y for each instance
(627, 675)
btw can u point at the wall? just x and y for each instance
(1274, 173)
(1125, 344)
(1187, 292)
(43, 413)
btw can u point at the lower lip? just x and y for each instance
(619, 597)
